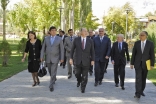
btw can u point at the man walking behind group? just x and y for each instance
(68, 45)
(83, 48)
(102, 45)
(143, 50)
(54, 50)
(119, 49)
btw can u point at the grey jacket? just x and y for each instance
(54, 52)
(68, 44)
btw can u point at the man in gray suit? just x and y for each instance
(54, 50)
(68, 45)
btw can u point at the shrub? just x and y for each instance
(21, 46)
(5, 52)
(152, 37)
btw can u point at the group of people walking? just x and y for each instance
(85, 53)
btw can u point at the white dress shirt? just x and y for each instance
(101, 38)
(142, 44)
(62, 37)
(84, 41)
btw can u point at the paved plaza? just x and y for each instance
(18, 90)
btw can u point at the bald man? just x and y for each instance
(83, 48)
(119, 49)
(102, 45)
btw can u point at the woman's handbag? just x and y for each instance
(42, 70)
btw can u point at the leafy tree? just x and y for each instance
(91, 22)
(5, 52)
(4, 4)
(118, 16)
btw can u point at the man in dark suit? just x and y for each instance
(102, 45)
(119, 49)
(143, 50)
(63, 36)
(91, 36)
(107, 60)
(83, 48)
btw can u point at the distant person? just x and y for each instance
(96, 33)
(119, 49)
(54, 50)
(59, 32)
(63, 36)
(33, 47)
(91, 36)
(102, 45)
(68, 45)
(105, 68)
(83, 48)
(143, 50)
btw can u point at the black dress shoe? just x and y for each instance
(69, 76)
(100, 82)
(123, 88)
(137, 96)
(78, 84)
(116, 85)
(82, 91)
(143, 94)
(90, 73)
(95, 84)
(61, 64)
(52, 89)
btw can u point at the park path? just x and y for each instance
(18, 90)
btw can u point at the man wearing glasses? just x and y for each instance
(143, 50)
(102, 45)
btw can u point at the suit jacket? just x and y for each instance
(138, 56)
(117, 56)
(63, 38)
(54, 52)
(85, 56)
(91, 37)
(68, 45)
(102, 49)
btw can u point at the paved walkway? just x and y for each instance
(18, 90)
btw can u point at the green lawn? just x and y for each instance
(15, 65)
(152, 75)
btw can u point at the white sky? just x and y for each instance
(141, 7)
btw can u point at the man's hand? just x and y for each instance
(61, 61)
(113, 62)
(107, 57)
(132, 66)
(41, 59)
(92, 63)
(152, 67)
(71, 61)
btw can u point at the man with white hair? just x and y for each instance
(118, 59)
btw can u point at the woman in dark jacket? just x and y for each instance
(33, 47)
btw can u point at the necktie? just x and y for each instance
(119, 47)
(142, 47)
(71, 38)
(83, 44)
(52, 40)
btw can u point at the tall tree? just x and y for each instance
(4, 4)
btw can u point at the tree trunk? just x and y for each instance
(4, 26)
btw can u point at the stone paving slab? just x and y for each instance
(18, 90)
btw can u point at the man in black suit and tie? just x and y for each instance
(119, 49)
(63, 36)
(143, 50)
(102, 45)
(83, 48)
(91, 36)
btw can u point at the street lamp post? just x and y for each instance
(60, 15)
(112, 27)
(127, 11)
